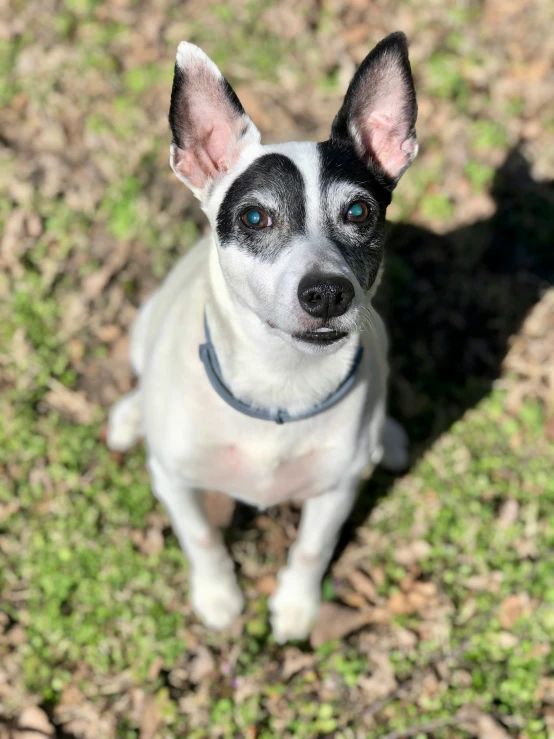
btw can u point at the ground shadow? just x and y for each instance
(451, 303)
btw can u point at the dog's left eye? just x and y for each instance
(357, 213)
(256, 218)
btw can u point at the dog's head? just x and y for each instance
(299, 226)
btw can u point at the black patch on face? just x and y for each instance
(274, 184)
(361, 244)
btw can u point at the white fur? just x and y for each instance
(195, 441)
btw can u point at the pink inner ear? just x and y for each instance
(212, 130)
(384, 139)
(210, 154)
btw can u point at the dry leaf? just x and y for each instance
(201, 666)
(508, 513)
(108, 334)
(512, 609)
(483, 725)
(382, 680)
(412, 553)
(149, 542)
(295, 661)
(95, 283)
(71, 696)
(335, 622)
(151, 719)
(354, 600)
(69, 403)
(490, 581)
(33, 723)
(362, 584)
(506, 640)
(8, 509)
(545, 691)
(17, 636)
(400, 604)
(266, 585)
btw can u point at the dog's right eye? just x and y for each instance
(357, 213)
(256, 218)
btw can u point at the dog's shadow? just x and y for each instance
(451, 303)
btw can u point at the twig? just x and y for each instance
(438, 723)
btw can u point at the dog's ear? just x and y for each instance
(209, 126)
(379, 111)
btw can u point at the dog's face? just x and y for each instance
(299, 226)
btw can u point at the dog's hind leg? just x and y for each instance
(395, 445)
(125, 422)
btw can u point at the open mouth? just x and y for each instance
(322, 336)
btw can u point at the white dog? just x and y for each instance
(262, 364)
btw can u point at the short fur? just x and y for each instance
(246, 281)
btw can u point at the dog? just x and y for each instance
(261, 363)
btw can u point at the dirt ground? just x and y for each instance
(438, 613)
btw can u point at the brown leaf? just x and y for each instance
(362, 584)
(154, 669)
(400, 604)
(295, 661)
(483, 725)
(83, 719)
(545, 691)
(108, 334)
(71, 696)
(266, 585)
(508, 513)
(8, 509)
(377, 574)
(17, 635)
(69, 403)
(95, 283)
(33, 723)
(149, 542)
(412, 553)
(382, 680)
(512, 609)
(354, 600)
(491, 582)
(151, 719)
(201, 666)
(335, 622)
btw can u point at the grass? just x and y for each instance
(467, 616)
(93, 600)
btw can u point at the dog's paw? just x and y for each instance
(294, 610)
(216, 601)
(125, 423)
(396, 447)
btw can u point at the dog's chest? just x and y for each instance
(263, 474)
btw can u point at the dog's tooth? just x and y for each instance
(323, 329)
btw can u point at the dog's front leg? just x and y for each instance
(295, 604)
(214, 593)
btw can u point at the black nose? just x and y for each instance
(325, 296)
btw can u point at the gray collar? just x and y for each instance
(213, 370)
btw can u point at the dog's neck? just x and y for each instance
(260, 367)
